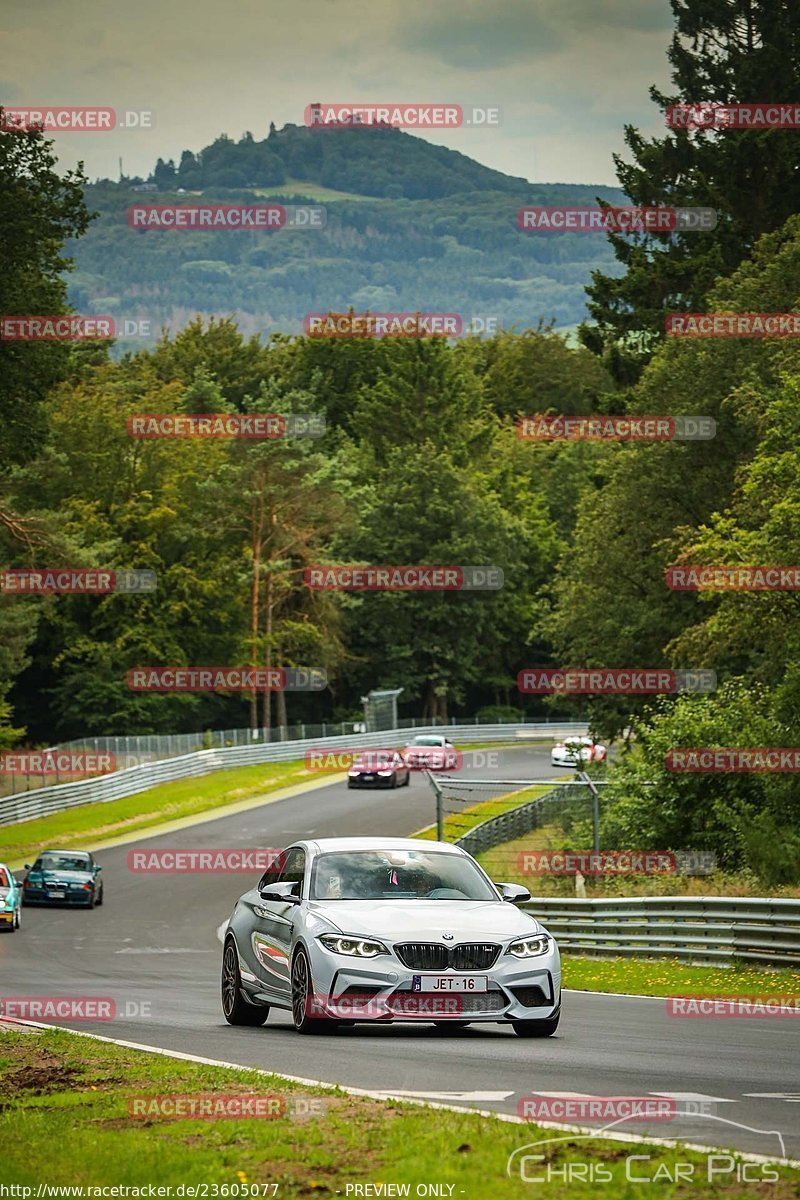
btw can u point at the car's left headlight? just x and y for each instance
(356, 947)
(530, 947)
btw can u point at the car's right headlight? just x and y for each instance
(530, 947)
(356, 947)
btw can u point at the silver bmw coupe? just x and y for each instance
(340, 930)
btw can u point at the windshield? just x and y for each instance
(63, 862)
(428, 741)
(397, 875)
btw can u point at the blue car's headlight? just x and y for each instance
(356, 947)
(530, 947)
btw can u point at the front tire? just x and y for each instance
(544, 1028)
(235, 1009)
(302, 993)
(15, 924)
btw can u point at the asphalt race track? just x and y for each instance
(153, 946)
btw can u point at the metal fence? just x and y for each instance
(516, 822)
(28, 805)
(706, 929)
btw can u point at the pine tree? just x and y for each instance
(723, 51)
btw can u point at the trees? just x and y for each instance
(723, 51)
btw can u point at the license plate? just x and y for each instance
(56, 895)
(368, 778)
(450, 983)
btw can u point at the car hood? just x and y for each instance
(427, 920)
(4, 891)
(60, 876)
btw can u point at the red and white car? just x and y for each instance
(575, 751)
(431, 752)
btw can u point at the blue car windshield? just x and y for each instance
(397, 875)
(63, 862)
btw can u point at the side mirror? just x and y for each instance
(97, 870)
(281, 891)
(513, 893)
(27, 866)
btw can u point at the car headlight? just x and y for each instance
(530, 947)
(357, 947)
(353, 771)
(385, 773)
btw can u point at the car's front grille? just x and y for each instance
(428, 956)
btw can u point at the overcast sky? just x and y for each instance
(566, 74)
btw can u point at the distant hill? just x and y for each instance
(380, 162)
(420, 227)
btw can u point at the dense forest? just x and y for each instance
(421, 463)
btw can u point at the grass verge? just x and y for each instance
(456, 824)
(66, 1120)
(671, 977)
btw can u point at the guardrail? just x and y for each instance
(27, 805)
(699, 929)
(702, 929)
(516, 822)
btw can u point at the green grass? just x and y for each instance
(314, 191)
(671, 977)
(456, 824)
(65, 1121)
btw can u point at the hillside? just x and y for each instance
(419, 227)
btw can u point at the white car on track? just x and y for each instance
(377, 929)
(576, 751)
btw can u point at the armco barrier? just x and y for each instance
(702, 929)
(515, 822)
(129, 782)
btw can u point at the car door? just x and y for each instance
(274, 925)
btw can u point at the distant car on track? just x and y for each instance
(576, 751)
(63, 877)
(10, 900)
(379, 768)
(342, 930)
(432, 752)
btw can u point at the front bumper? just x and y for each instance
(382, 990)
(356, 781)
(7, 916)
(72, 899)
